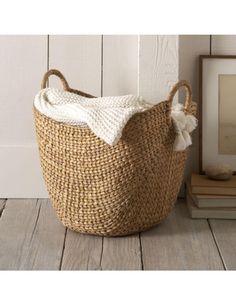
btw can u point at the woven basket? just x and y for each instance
(112, 190)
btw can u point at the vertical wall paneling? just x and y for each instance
(23, 60)
(223, 44)
(78, 57)
(120, 64)
(158, 66)
(190, 47)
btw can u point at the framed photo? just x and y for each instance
(217, 109)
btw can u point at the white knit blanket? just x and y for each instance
(105, 116)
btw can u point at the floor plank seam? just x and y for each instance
(217, 246)
(141, 251)
(63, 249)
(3, 207)
(36, 221)
(100, 262)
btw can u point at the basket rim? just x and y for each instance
(145, 112)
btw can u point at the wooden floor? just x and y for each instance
(32, 238)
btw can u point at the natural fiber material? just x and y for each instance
(112, 190)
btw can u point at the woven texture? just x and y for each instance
(112, 190)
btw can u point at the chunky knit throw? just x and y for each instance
(105, 116)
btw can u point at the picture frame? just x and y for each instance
(217, 91)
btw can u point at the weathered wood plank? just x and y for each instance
(2, 205)
(225, 236)
(18, 218)
(47, 241)
(31, 237)
(82, 252)
(180, 243)
(85, 252)
(121, 253)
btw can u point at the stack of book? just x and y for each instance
(210, 198)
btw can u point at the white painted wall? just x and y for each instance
(109, 65)
(23, 60)
(158, 66)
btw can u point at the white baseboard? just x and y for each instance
(20, 173)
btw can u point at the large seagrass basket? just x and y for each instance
(112, 190)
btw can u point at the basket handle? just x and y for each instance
(58, 74)
(188, 91)
(65, 84)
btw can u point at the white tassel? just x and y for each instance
(179, 143)
(184, 125)
(180, 118)
(187, 138)
(191, 123)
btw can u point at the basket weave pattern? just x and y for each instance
(112, 190)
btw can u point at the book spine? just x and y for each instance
(196, 212)
(198, 190)
(211, 203)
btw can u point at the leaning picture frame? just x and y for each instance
(217, 111)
